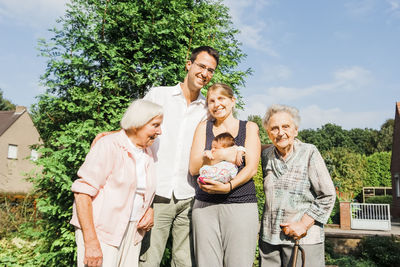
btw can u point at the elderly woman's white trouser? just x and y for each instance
(127, 254)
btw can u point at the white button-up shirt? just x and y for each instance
(172, 149)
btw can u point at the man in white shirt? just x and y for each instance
(184, 107)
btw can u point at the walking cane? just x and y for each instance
(295, 253)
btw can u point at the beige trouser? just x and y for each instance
(127, 254)
(171, 216)
(282, 255)
(225, 234)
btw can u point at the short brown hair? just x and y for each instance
(211, 51)
(225, 139)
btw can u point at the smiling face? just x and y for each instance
(282, 132)
(145, 135)
(219, 104)
(200, 71)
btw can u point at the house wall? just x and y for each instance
(395, 164)
(23, 134)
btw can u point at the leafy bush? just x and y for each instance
(349, 261)
(347, 170)
(21, 247)
(372, 251)
(332, 258)
(378, 170)
(380, 199)
(15, 210)
(383, 250)
(258, 181)
(335, 214)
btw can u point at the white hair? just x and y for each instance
(139, 113)
(276, 108)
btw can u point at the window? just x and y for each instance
(34, 155)
(12, 151)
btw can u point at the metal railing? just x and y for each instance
(370, 216)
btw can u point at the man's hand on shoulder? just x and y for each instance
(100, 135)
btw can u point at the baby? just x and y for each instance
(223, 171)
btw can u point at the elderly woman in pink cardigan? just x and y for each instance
(114, 191)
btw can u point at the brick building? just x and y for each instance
(17, 134)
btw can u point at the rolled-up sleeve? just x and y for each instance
(95, 169)
(322, 187)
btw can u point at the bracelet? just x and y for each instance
(230, 184)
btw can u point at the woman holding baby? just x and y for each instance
(225, 216)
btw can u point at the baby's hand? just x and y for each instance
(208, 154)
(239, 157)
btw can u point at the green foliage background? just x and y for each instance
(356, 157)
(378, 169)
(4, 103)
(103, 54)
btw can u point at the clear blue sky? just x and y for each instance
(336, 61)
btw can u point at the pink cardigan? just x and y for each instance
(109, 176)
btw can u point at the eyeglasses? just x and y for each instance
(210, 71)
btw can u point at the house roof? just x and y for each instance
(7, 118)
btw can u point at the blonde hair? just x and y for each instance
(139, 113)
(276, 108)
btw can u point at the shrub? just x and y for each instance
(335, 214)
(19, 246)
(258, 181)
(378, 170)
(15, 210)
(383, 250)
(380, 199)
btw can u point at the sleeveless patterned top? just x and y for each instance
(245, 193)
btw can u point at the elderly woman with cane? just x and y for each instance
(114, 191)
(299, 194)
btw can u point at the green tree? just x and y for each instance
(378, 170)
(347, 170)
(329, 136)
(385, 136)
(4, 103)
(263, 133)
(102, 55)
(364, 140)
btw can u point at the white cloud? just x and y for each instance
(314, 116)
(394, 8)
(394, 5)
(344, 80)
(275, 73)
(248, 18)
(252, 36)
(347, 79)
(32, 13)
(360, 8)
(353, 78)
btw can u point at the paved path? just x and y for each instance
(335, 231)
